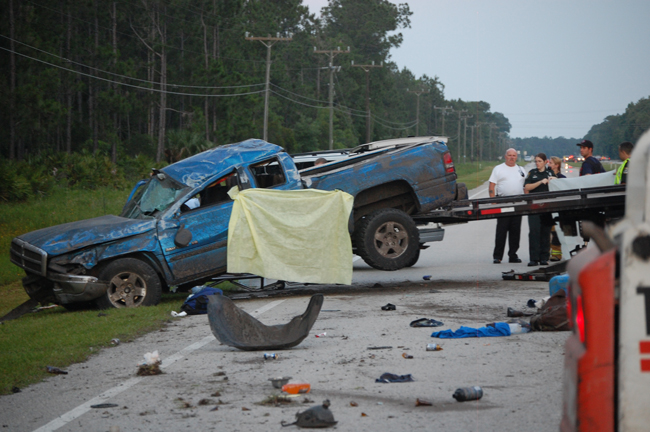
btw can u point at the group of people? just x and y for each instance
(509, 178)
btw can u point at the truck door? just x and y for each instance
(203, 222)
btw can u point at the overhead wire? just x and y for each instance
(131, 85)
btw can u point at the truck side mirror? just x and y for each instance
(183, 237)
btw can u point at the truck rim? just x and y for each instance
(127, 290)
(391, 239)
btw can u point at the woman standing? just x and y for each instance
(555, 163)
(539, 226)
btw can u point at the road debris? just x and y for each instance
(279, 381)
(468, 394)
(318, 416)
(388, 307)
(151, 365)
(393, 378)
(407, 356)
(104, 405)
(380, 347)
(426, 322)
(55, 370)
(422, 402)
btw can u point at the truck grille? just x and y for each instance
(31, 258)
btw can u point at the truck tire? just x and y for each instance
(131, 283)
(415, 259)
(387, 239)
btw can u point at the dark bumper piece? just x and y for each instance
(234, 327)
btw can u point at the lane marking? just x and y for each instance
(110, 393)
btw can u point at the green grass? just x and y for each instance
(56, 337)
(475, 174)
(61, 206)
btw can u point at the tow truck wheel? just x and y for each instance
(387, 239)
(131, 283)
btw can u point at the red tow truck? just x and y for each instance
(607, 362)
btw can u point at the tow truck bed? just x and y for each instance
(596, 204)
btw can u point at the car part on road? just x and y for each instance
(131, 283)
(20, 310)
(426, 322)
(234, 327)
(388, 307)
(318, 416)
(387, 239)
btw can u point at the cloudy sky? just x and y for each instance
(553, 67)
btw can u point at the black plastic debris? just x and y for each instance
(393, 378)
(388, 307)
(426, 322)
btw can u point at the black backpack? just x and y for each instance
(197, 303)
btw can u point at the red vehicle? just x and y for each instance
(607, 362)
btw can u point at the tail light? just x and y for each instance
(580, 319)
(449, 163)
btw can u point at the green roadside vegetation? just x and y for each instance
(476, 173)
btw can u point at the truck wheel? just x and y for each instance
(131, 283)
(387, 239)
(415, 259)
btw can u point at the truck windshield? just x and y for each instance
(155, 196)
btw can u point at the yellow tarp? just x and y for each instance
(297, 236)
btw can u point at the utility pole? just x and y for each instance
(366, 69)
(492, 126)
(465, 139)
(331, 54)
(268, 42)
(444, 110)
(417, 116)
(460, 116)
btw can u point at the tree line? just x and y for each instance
(170, 78)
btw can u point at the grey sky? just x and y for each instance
(553, 67)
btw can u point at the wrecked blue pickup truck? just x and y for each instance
(173, 229)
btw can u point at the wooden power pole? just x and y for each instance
(366, 69)
(331, 54)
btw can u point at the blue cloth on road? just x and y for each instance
(499, 329)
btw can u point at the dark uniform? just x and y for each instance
(539, 226)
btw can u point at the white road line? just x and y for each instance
(478, 193)
(110, 393)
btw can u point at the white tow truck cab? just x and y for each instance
(607, 362)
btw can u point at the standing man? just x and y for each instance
(591, 165)
(507, 179)
(624, 153)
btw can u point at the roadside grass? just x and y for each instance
(60, 206)
(476, 173)
(56, 337)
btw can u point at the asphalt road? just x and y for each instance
(209, 386)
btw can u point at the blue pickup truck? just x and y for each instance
(174, 226)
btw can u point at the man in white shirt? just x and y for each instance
(507, 179)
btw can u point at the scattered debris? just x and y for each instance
(364, 414)
(296, 388)
(279, 381)
(216, 408)
(55, 370)
(182, 403)
(219, 374)
(388, 307)
(318, 416)
(320, 335)
(516, 313)
(273, 356)
(104, 405)
(468, 394)
(151, 365)
(407, 356)
(245, 409)
(115, 342)
(206, 401)
(15, 390)
(354, 404)
(426, 322)
(179, 315)
(307, 400)
(422, 402)
(393, 378)
(276, 400)
(426, 277)
(434, 347)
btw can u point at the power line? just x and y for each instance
(126, 76)
(131, 85)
